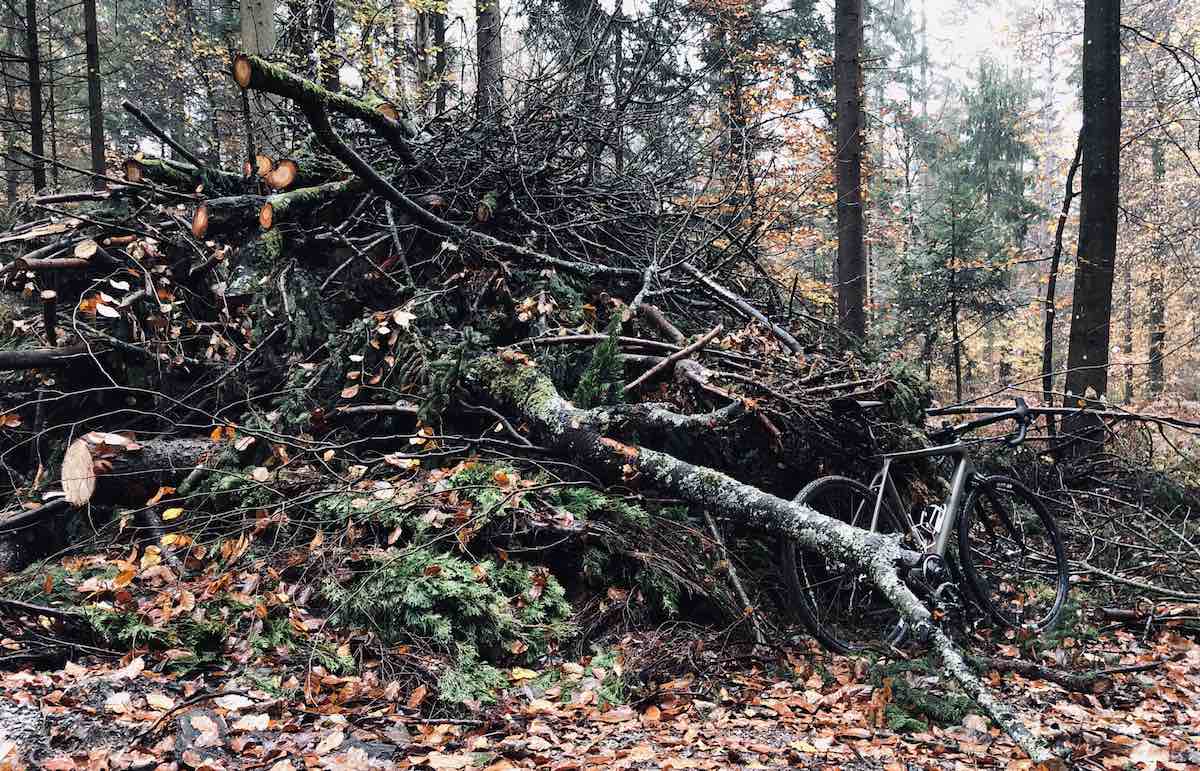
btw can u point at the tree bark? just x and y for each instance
(489, 52)
(851, 259)
(422, 43)
(1048, 312)
(258, 38)
(181, 176)
(1091, 316)
(1157, 320)
(95, 102)
(1127, 341)
(253, 73)
(37, 142)
(12, 172)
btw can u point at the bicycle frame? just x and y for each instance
(882, 481)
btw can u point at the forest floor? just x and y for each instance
(800, 710)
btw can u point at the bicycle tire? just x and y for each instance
(806, 573)
(1007, 513)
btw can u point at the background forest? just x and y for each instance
(971, 121)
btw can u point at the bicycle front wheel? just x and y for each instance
(1012, 554)
(839, 605)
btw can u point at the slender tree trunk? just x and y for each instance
(51, 108)
(399, 59)
(422, 42)
(489, 88)
(12, 172)
(1127, 341)
(851, 260)
(37, 143)
(1157, 301)
(439, 61)
(618, 93)
(957, 346)
(1048, 312)
(95, 103)
(1087, 355)
(258, 38)
(328, 62)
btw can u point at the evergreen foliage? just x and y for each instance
(603, 381)
(475, 609)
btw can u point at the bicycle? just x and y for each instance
(1008, 546)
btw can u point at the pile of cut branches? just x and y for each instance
(477, 397)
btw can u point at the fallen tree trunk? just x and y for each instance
(221, 216)
(511, 384)
(251, 72)
(282, 207)
(43, 358)
(112, 468)
(182, 176)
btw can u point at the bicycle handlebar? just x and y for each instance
(1020, 414)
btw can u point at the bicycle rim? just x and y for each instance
(1011, 552)
(839, 605)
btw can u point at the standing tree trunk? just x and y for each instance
(1091, 315)
(957, 340)
(489, 82)
(1127, 341)
(95, 104)
(851, 261)
(37, 141)
(51, 108)
(618, 93)
(258, 38)
(328, 60)
(422, 42)
(1158, 304)
(1048, 313)
(439, 60)
(12, 172)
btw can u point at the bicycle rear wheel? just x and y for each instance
(1012, 555)
(838, 604)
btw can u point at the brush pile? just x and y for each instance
(260, 381)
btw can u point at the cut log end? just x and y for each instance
(78, 474)
(200, 221)
(263, 164)
(243, 70)
(266, 216)
(133, 171)
(283, 175)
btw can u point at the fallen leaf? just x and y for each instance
(330, 743)
(258, 722)
(120, 703)
(160, 701)
(233, 702)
